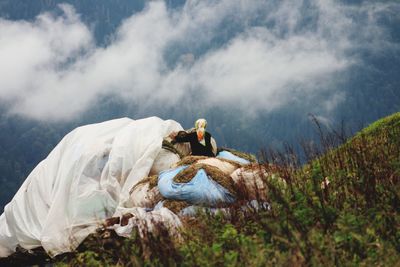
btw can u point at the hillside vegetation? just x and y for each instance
(340, 209)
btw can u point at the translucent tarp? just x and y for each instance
(85, 179)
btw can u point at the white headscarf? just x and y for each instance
(200, 126)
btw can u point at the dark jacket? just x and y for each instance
(197, 148)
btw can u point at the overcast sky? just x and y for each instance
(254, 55)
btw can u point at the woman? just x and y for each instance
(201, 142)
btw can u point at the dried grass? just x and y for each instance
(175, 205)
(170, 147)
(189, 160)
(151, 180)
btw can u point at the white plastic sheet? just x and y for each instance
(84, 180)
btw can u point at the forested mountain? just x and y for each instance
(365, 91)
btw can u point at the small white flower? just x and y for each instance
(325, 183)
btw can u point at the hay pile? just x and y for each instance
(145, 193)
(217, 169)
(214, 173)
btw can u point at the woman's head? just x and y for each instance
(200, 126)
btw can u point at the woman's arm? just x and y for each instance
(181, 137)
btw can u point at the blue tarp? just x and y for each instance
(200, 190)
(228, 155)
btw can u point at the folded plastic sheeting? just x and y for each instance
(84, 180)
(200, 190)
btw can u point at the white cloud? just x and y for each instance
(51, 69)
(255, 74)
(30, 51)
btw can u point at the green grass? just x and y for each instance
(386, 124)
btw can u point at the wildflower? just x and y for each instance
(325, 183)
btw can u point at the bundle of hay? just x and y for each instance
(189, 160)
(145, 193)
(169, 155)
(175, 205)
(250, 180)
(213, 172)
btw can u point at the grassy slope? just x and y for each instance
(386, 124)
(352, 221)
